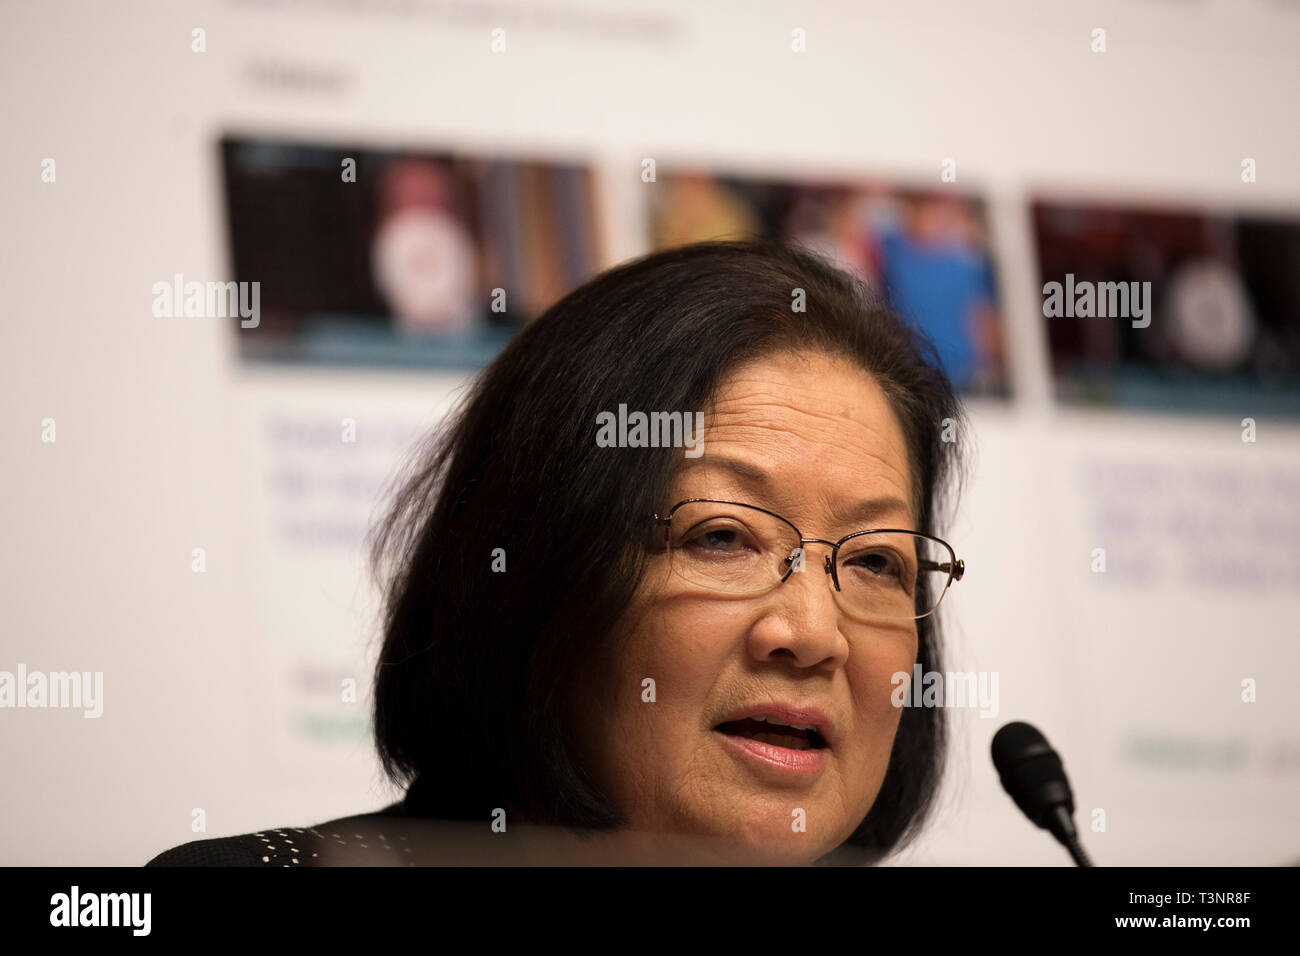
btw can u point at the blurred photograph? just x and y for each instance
(1223, 329)
(428, 260)
(926, 251)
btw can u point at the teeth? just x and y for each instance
(781, 723)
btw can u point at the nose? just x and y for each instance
(799, 622)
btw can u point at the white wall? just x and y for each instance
(162, 436)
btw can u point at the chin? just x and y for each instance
(776, 848)
(764, 838)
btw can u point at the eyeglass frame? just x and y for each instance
(956, 568)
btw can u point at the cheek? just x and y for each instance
(884, 655)
(677, 640)
(680, 645)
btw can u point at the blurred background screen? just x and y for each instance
(400, 270)
(926, 250)
(1226, 291)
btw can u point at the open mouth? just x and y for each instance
(768, 731)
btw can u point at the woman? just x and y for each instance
(612, 638)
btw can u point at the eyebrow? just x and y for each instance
(866, 510)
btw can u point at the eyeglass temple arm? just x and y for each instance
(956, 570)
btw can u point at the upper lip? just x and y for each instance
(795, 715)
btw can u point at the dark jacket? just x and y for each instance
(406, 833)
(422, 829)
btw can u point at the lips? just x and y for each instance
(784, 743)
(781, 725)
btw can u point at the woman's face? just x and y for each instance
(811, 438)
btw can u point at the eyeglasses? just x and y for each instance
(880, 574)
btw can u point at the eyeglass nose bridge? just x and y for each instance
(828, 561)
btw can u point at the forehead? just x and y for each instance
(809, 432)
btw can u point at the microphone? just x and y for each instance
(1032, 773)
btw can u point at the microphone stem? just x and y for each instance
(1076, 852)
(1061, 825)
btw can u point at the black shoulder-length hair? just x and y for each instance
(478, 666)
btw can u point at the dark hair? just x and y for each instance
(477, 668)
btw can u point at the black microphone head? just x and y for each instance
(1031, 772)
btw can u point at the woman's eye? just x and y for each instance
(877, 562)
(718, 539)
